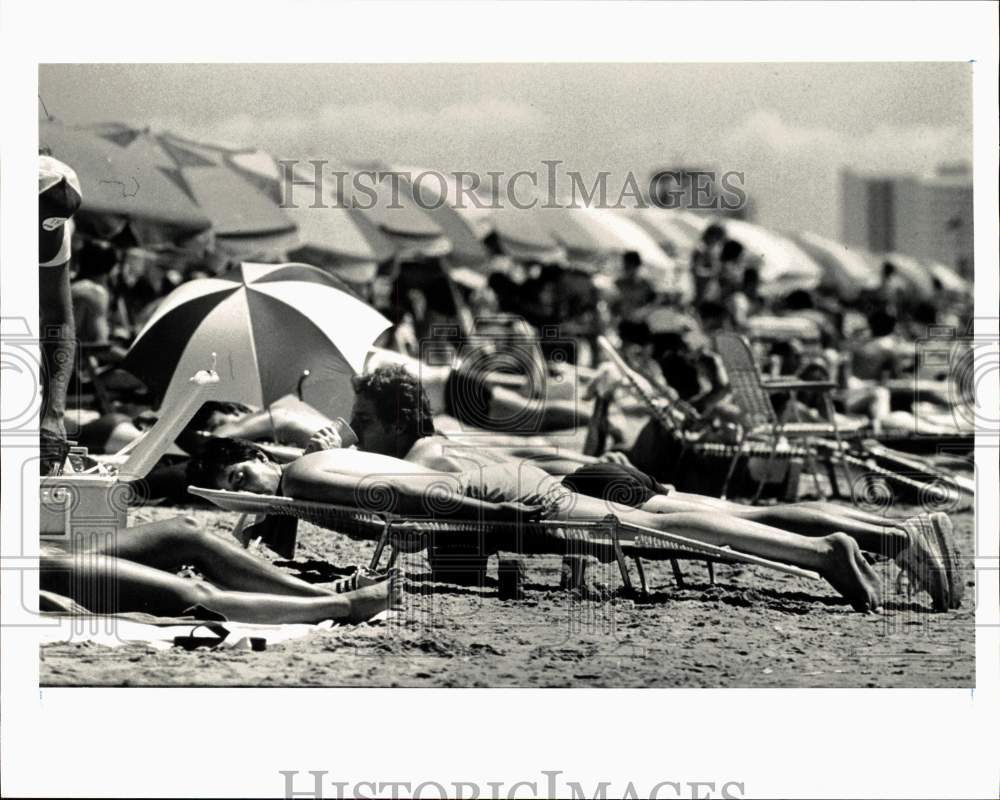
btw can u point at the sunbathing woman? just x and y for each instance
(137, 572)
(391, 411)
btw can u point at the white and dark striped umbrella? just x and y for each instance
(266, 324)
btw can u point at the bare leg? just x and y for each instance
(836, 557)
(106, 585)
(556, 414)
(170, 544)
(872, 533)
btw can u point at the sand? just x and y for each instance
(754, 627)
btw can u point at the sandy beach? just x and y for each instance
(753, 628)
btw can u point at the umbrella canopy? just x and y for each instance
(844, 269)
(267, 324)
(337, 236)
(227, 185)
(396, 212)
(436, 194)
(525, 236)
(916, 274)
(575, 230)
(784, 265)
(676, 239)
(125, 176)
(660, 267)
(950, 280)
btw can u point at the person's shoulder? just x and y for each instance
(88, 290)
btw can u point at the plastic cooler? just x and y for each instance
(89, 505)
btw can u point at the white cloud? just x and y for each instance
(793, 171)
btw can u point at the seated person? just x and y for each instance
(875, 357)
(137, 572)
(418, 472)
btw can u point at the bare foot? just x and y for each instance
(850, 574)
(372, 600)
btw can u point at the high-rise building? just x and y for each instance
(928, 217)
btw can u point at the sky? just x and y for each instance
(790, 128)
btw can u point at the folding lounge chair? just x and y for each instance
(752, 394)
(606, 538)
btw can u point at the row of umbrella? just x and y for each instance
(171, 187)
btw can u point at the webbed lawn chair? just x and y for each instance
(752, 394)
(607, 538)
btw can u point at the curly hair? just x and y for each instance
(399, 400)
(216, 454)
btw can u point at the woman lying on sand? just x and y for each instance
(427, 473)
(138, 573)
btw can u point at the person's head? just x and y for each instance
(234, 465)
(881, 323)
(207, 419)
(799, 300)
(681, 372)
(633, 331)
(95, 260)
(391, 411)
(631, 262)
(731, 252)
(925, 313)
(669, 343)
(713, 315)
(714, 234)
(888, 270)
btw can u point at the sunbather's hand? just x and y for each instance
(615, 457)
(327, 438)
(603, 383)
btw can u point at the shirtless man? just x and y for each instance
(409, 463)
(477, 391)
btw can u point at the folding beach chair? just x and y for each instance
(607, 538)
(752, 394)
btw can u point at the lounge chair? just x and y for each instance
(267, 515)
(752, 394)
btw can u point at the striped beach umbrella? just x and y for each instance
(265, 325)
(127, 177)
(246, 219)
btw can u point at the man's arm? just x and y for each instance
(58, 337)
(435, 495)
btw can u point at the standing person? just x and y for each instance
(705, 264)
(59, 197)
(635, 292)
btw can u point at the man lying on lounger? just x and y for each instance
(407, 461)
(139, 573)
